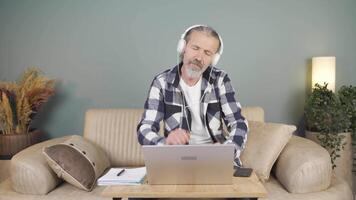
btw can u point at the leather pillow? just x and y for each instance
(78, 161)
(29, 171)
(304, 173)
(264, 144)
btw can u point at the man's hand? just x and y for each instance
(178, 136)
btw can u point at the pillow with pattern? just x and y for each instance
(78, 161)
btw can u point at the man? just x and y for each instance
(193, 98)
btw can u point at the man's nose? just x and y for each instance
(199, 55)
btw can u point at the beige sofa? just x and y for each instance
(114, 130)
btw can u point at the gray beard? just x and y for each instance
(194, 73)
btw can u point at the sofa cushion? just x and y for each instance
(77, 161)
(304, 166)
(264, 144)
(29, 171)
(338, 190)
(64, 191)
(115, 131)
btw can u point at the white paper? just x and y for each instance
(133, 176)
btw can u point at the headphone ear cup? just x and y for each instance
(180, 46)
(215, 59)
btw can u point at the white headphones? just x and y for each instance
(182, 43)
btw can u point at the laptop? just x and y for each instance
(189, 164)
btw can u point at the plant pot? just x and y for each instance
(13, 143)
(344, 162)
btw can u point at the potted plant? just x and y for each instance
(326, 120)
(19, 104)
(347, 95)
(328, 124)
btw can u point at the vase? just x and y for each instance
(13, 143)
(343, 163)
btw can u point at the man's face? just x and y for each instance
(199, 53)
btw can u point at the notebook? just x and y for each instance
(189, 164)
(123, 176)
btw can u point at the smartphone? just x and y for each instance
(243, 172)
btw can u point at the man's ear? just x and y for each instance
(183, 51)
(181, 57)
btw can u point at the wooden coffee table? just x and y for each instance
(249, 187)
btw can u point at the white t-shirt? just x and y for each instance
(192, 95)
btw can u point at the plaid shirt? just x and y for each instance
(165, 102)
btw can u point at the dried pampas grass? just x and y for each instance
(19, 103)
(7, 116)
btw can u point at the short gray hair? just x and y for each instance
(205, 29)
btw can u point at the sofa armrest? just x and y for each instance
(303, 166)
(29, 171)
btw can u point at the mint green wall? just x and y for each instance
(105, 53)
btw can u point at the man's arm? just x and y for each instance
(148, 128)
(236, 124)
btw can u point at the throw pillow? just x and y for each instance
(29, 171)
(78, 161)
(304, 172)
(265, 142)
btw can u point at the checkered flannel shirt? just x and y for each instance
(165, 102)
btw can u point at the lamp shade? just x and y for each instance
(323, 71)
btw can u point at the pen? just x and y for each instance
(122, 171)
